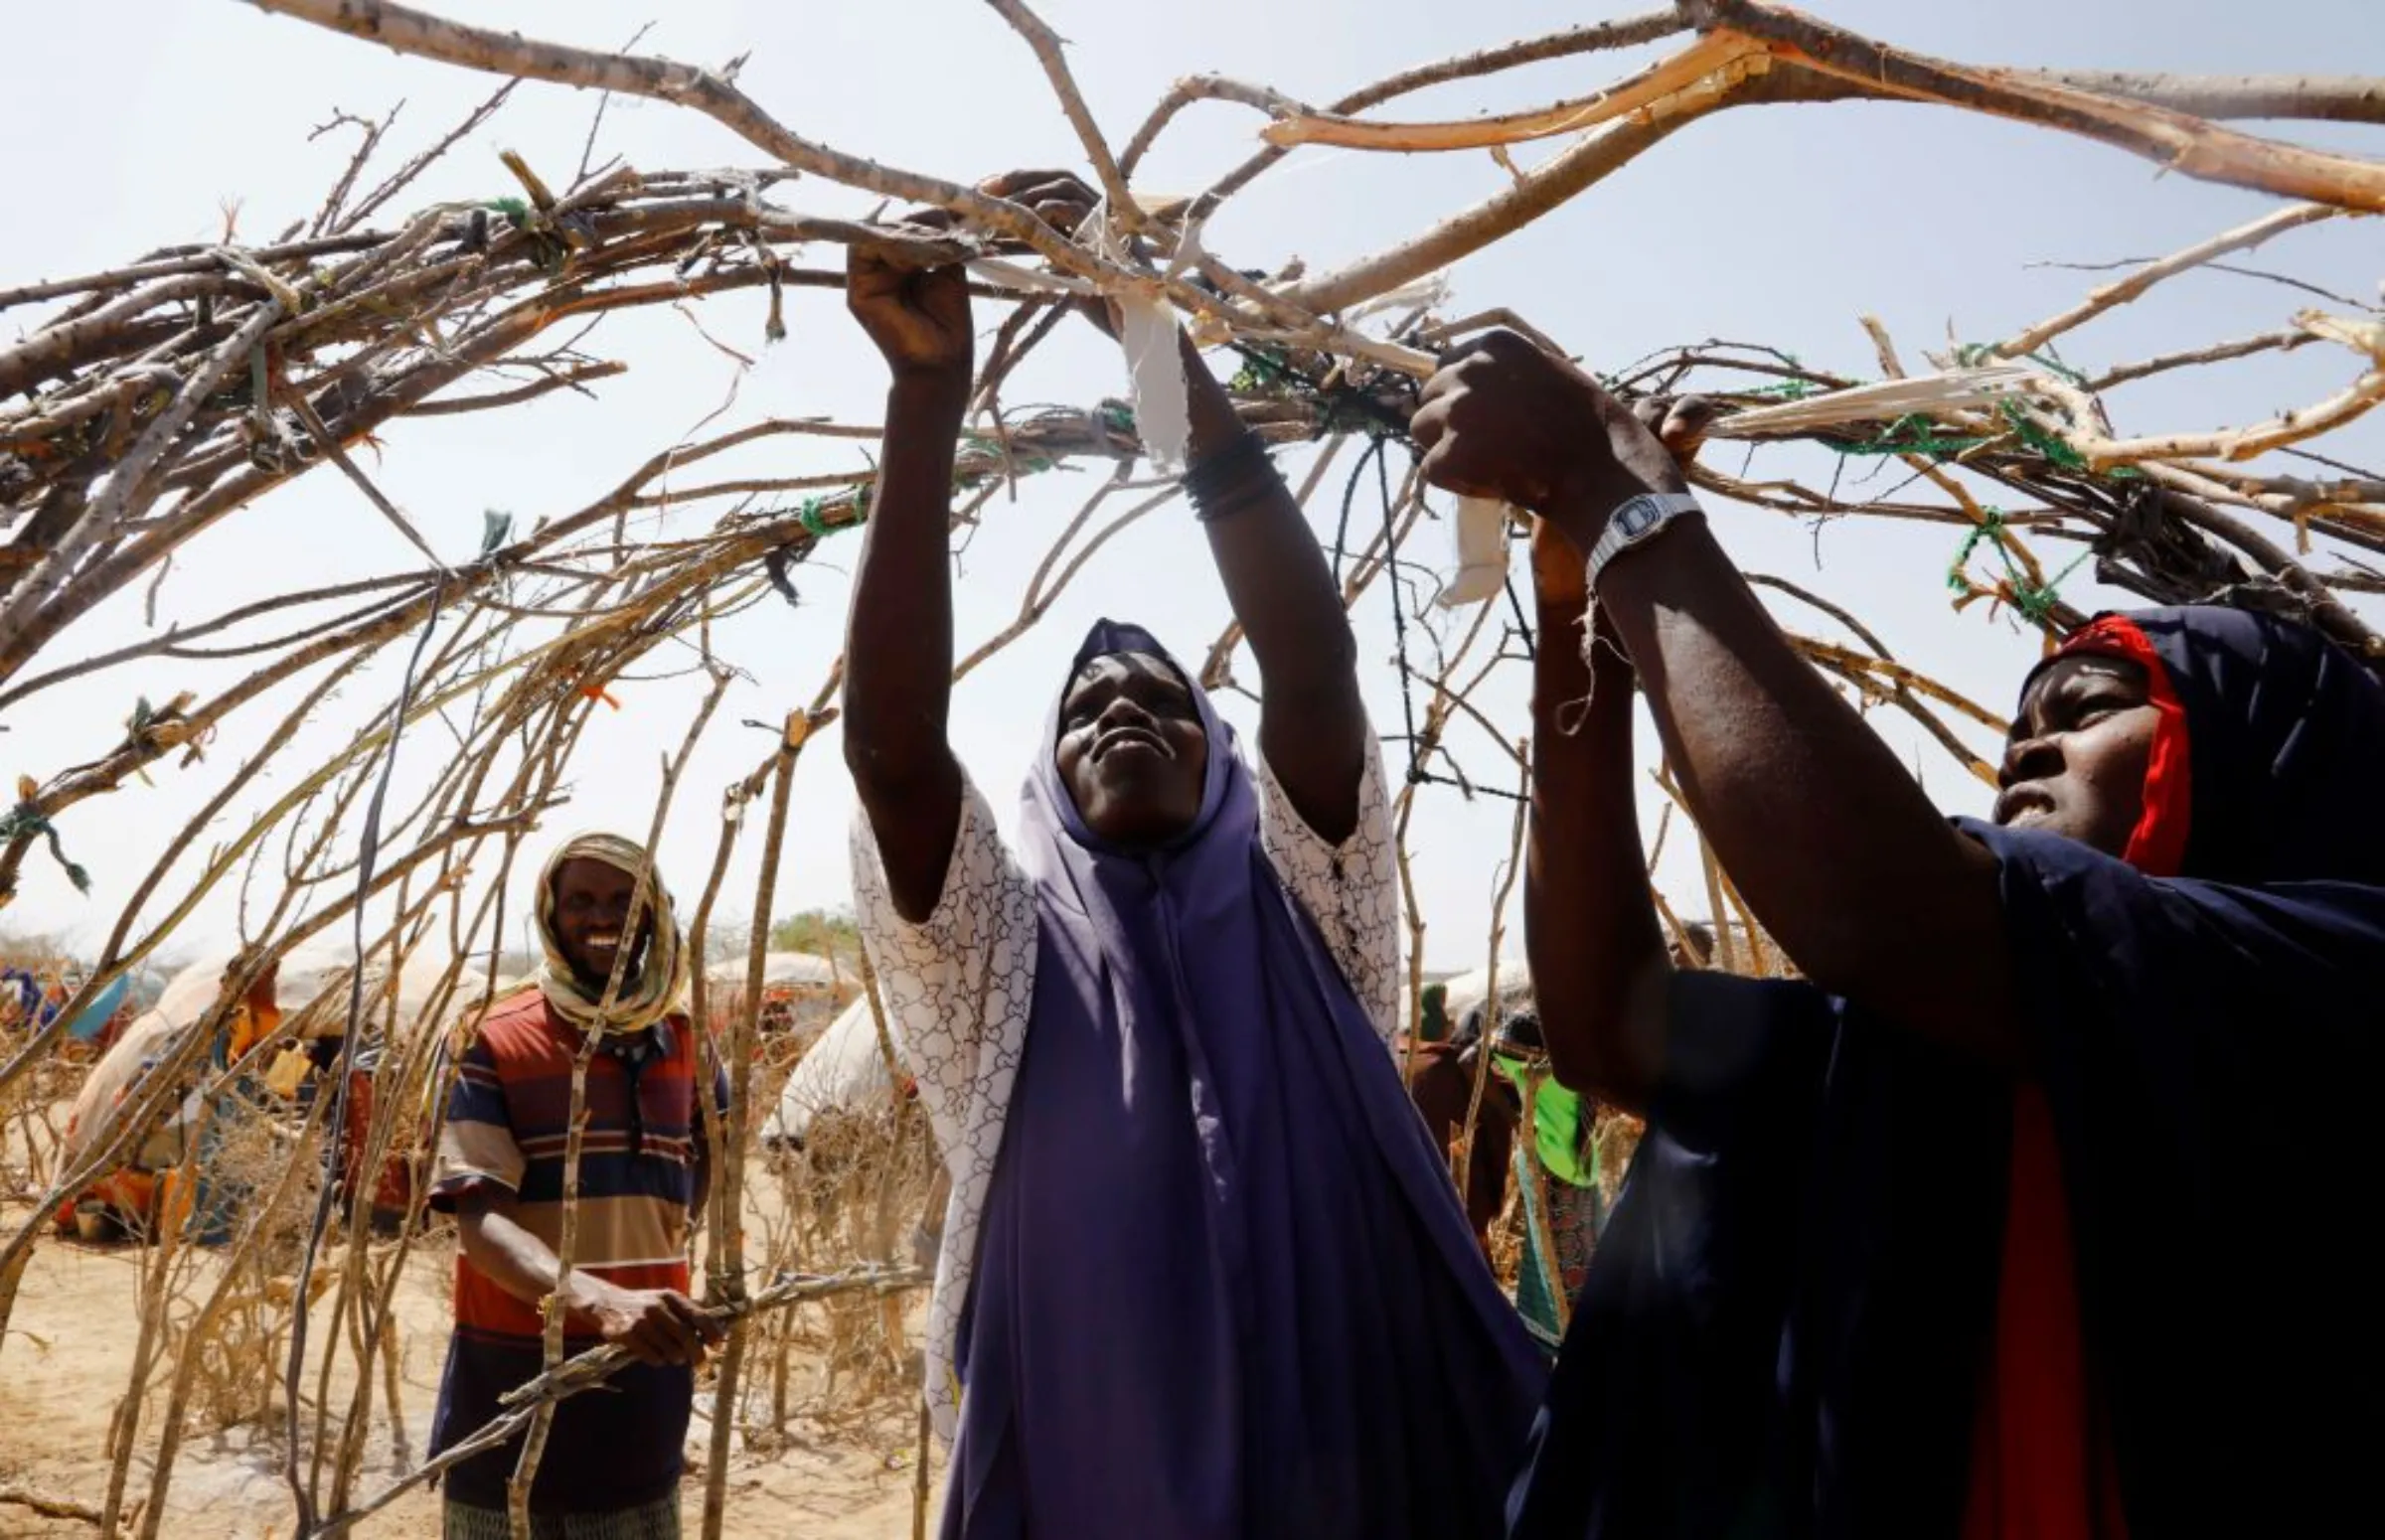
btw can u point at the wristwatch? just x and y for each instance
(1642, 518)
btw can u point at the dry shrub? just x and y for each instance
(33, 1110)
(33, 1122)
(858, 1189)
(237, 1372)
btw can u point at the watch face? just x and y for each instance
(1635, 517)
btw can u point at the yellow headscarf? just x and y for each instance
(661, 982)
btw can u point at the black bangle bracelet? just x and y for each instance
(1222, 480)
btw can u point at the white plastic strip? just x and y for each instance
(1481, 531)
(1010, 275)
(1147, 327)
(1949, 391)
(1163, 407)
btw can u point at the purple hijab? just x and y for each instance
(1225, 1289)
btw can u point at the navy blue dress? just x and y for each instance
(1787, 1324)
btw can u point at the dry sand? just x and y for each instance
(63, 1369)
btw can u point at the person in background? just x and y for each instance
(1441, 1081)
(1556, 1172)
(2033, 1208)
(1434, 1023)
(1204, 1277)
(615, 966)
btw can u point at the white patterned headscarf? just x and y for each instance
(661, 982)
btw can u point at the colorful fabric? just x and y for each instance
(1790, 1324)
(1548, 1279)
(1565, 1208)
(1212, 1170)
(26, 1001)
(656, 1520)
(508, 1124)
(661, 987)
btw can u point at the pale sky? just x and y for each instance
(142, 122)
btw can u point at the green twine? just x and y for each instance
(813, 514)
(2054, 449)
(27, 822)
(2034, 601)
(1263, 370)
(1910, 434)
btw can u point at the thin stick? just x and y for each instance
(592, 1368)
(1491, 1016)
(728, 1220)
(2113, 295)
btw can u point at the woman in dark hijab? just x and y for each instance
(1207, 1278)
(2036, 1212)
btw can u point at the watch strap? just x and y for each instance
(1639, 519)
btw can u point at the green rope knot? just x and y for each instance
(27, 822)
(1990, 527)
(2037, 603)
(1912, 434)
(2034, 601)
(2055, 450)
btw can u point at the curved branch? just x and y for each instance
(2175, 140)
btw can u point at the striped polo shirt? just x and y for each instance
(508, 1119)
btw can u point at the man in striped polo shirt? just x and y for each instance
(612, 1461)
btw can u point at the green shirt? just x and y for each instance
(1558, 1132)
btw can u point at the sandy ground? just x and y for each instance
(64, 1363)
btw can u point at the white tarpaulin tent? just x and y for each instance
(1469, 990)
(783, 971)
(305, 979)
(811, 988)
(844, 1070)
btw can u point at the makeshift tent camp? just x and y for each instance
(1469, 990)
(311, 993)
(807, 990)
(844, 1070)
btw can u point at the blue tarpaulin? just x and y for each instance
(94, 1017)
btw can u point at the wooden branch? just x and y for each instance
(2340, 98)
(2290, 427)
(180, 267)
(568, 380)
(1534, 194)
(14, 1495)
(2175, 141)
(2218, 353)
(592, 1368)
(1650, 90)
(2345, 99)
(1046, 45)
(410, 31)
(2113, 295)
(101, 521)
(1624, 32)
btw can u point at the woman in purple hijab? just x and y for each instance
(1204, 1276)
